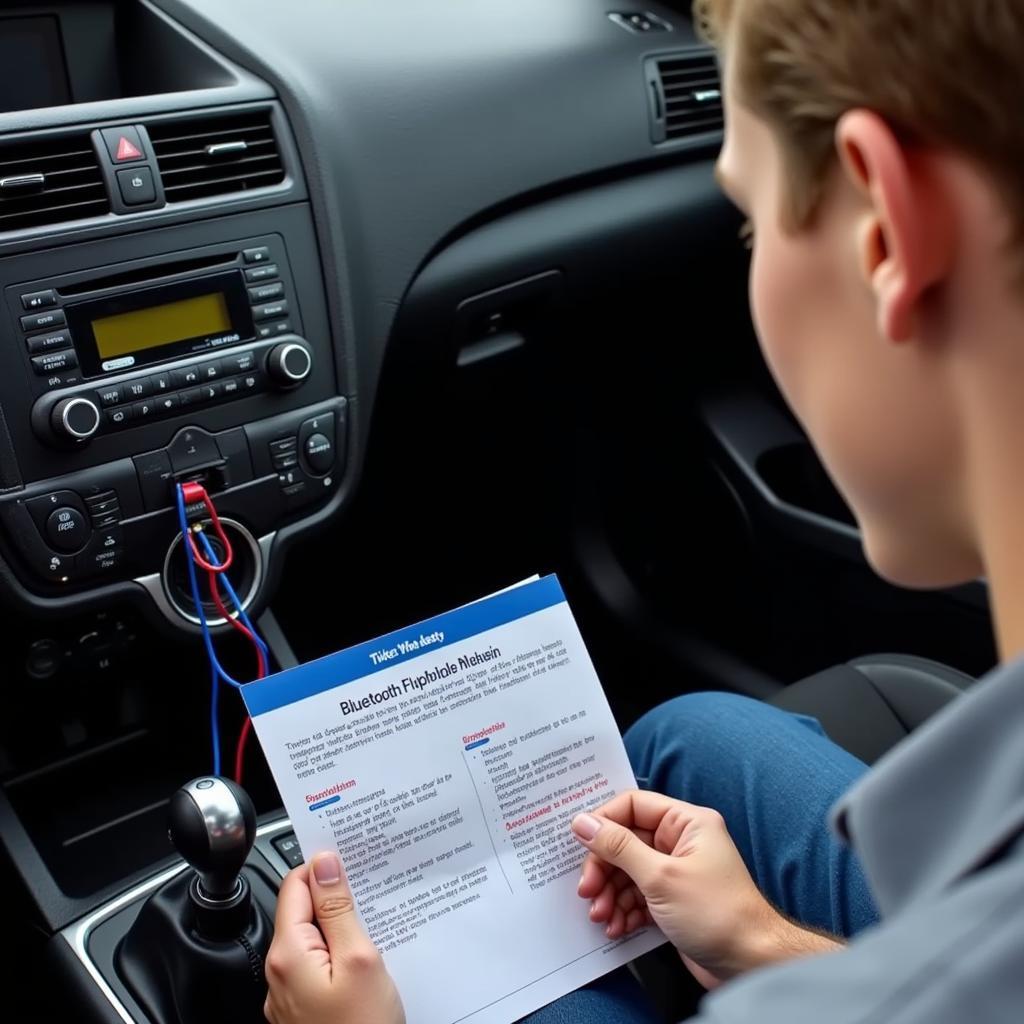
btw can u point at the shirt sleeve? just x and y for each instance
(945, 959)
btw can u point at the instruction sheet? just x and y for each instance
(444, 763)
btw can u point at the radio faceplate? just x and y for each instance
(85, 327)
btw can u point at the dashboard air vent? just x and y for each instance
(686, 95)
(49, 180)
(212, 156)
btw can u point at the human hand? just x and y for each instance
(655, 860)
(322, 967)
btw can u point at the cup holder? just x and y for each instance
(246, 574)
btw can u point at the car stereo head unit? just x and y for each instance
(113, 349)
(154, 325)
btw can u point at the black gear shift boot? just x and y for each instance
(180, 976)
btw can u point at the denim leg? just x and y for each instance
(773, 776)
(617, 998)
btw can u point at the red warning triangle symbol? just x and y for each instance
(126, 151)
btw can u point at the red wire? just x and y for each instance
(194, 494)
(243, 736)
(240, 748)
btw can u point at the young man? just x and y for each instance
(876, 147)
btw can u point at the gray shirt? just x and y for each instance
(938, 825)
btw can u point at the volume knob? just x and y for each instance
(289, 363)
(75, 419)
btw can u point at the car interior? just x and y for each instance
(430, 297)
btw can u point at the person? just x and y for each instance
(877, 150)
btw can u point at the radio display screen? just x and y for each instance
(127, 334)
(153, 325)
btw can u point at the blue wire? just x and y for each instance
(194, 583)
(216, 670)
(215, 718)
(211, 557)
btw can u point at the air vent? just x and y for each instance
(686, 95)
(212, 156)
(49, 181)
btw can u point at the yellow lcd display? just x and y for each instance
(127, 333)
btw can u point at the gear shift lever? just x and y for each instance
(213, 826)
(194, 954)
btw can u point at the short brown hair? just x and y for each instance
(945, 72)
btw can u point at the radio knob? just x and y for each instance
(75, 419)
(289, 363)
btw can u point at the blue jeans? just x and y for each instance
(773, 776)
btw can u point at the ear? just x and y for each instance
(903, 240)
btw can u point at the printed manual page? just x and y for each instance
(444, 763)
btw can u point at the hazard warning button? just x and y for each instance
(123, 144)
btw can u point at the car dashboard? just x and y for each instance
(241, 245)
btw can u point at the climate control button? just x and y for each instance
(67, 530)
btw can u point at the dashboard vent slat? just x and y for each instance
(71, 185)
(201, 157)
(686, 97)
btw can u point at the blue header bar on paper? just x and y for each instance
(346, 666)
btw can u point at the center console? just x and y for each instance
(202, 353)
(164, 319)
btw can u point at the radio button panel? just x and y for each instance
(42, 299)
(43, 321)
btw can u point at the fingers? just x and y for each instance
(595, 873)
(642, 809)
(295, 930)
(593, 876)
(335, 909)
(294, 905)
(603, 904)
(617, 846)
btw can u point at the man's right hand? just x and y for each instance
(655, 860)
(322, 967)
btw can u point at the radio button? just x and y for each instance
(110, 503)
(154, 472)
(231, 388)
(103, 519)
(161, 382)
(258, 255)
(274, 329)
(192, 447)
(110, 396)
(67, 530)
(136, 185)
(42, 321)
(40, 300)
(54, 362)
(289, 363)
(75, 419)
(243, 362)
(266, 292)
(185, 377)
(119, 417)
(265, 273)
(48, 342)
(270, 310)
(104, 552)
(140, 388)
